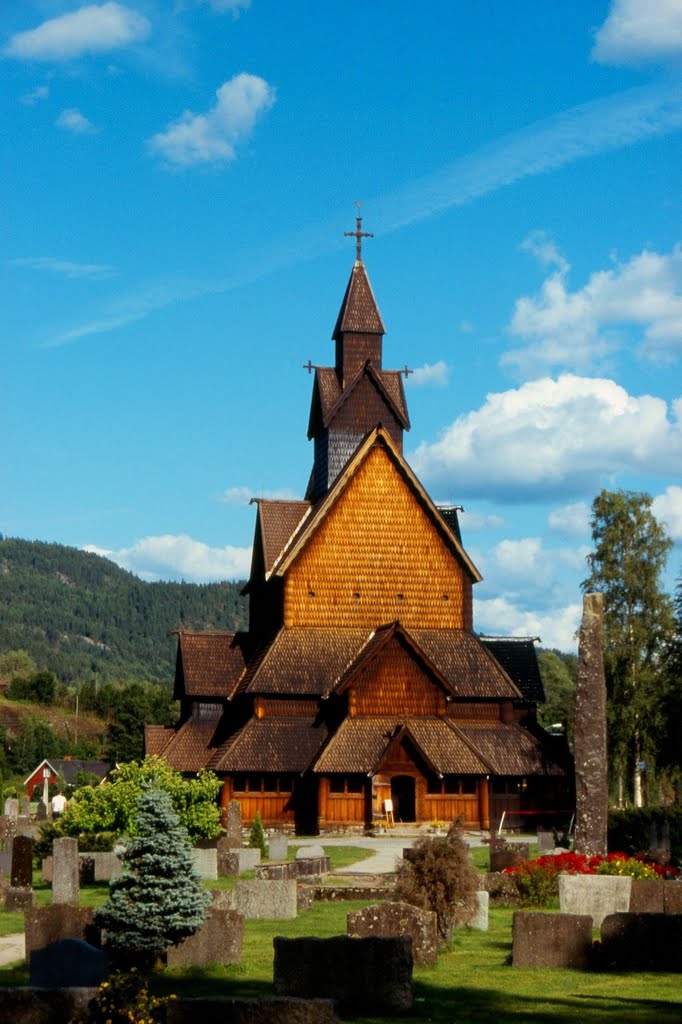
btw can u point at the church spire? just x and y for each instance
(359, 328)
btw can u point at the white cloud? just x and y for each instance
(667, 508)
(233, 7)
(41, 92)
(92, 29)
(64, 267)
(479, 521)
(435, 374)
(170, 557)
(561, 328)
(639, 30)
(543, 247)
(552, 438)
(555, 627)
(240, 496)
(73, 121)
(573, 520)
(211, 137)
(522, 559)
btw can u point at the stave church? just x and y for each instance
(361, 686)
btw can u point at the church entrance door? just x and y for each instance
(403, 797)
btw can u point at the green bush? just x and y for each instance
(630, 830)
(257, 835)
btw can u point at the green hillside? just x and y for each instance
(83, 617)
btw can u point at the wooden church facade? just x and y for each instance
(360, 679)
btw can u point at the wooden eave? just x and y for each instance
(317, 514)
(324, 407)
(403, 731)
(376, 642)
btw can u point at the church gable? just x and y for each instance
(377, 550)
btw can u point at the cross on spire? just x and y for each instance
(358, 233)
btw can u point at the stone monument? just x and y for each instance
(591, 785)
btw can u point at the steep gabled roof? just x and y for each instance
(465, 663)
(209, 663)
(380, 437)
(361, 745)
(375, 643)
(518, 658)
(279, 521)
(329, 396)
(303, 660)
(272, 745)
(359, 313)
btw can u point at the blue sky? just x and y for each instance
(176, 181)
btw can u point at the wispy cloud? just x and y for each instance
(233, 7)
(65, 268)
(95, 28)
(41, 92)
(640, 30)
(171, 557)
(240, 496)
(211, 138)
(667, 508)
(71, 120)
(547, 145)
(430, 374)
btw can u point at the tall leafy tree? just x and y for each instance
(630, 552)
(670, 752)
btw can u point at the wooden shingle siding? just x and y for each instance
(377, 557)
(395, 682)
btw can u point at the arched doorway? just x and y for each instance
(403, 797)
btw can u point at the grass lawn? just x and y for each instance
(472, 983)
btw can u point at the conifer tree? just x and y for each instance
(158, 900)
(257, 835)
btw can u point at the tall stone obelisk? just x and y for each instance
(591, 763)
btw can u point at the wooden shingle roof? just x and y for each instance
(468, 666)
(359, 313)
(156, 737)
(272, 745)
(509, 749)
(361, 744)
(191, 748)
(375, 643)
(328, 396)
(303, 660)
(518, 658)
(279, 521)
(209, 663)
(380, 437)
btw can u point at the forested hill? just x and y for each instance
(80, 615)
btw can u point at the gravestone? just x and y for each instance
(591, 783)
(479, 921)
(12, 808)
(19, 898)
(278, 847)
(45, 925)
(233, 824)
(551, 940)
(507, 855)
(312, 867)
(642, 942)
(65, 870)
(43, 1006)
(6, 826)
(86, 868)
(107, 866)
(218, 941)
(655, 897)
(395, 919)
(41, 811)
(595, 895)
(546, 842)
(70, 963)
(206, 862)
(312, 850)
(305, 897)
(24, 807)
(250, 1011)
(6, 857)
(270, 900)
(368, 976)
(46, 869)
(21, 874)
(286, 869)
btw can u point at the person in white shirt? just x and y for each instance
(59, 802)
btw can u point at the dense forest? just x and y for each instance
(83, 618)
